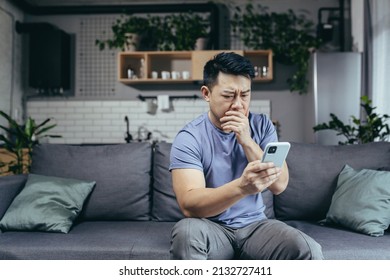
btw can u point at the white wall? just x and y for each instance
(10, 62)
(103, 121)
(357, 12)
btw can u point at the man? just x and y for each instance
(218, 176)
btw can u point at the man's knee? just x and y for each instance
(187, 239)
(305, 248)
(187, 229)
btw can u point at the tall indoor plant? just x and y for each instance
(19, 141)
(291, 37)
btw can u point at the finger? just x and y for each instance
(257, 165)
(237, 116)
(234, 113)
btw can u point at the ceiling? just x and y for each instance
(51, 7)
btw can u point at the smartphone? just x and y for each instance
(276, 152)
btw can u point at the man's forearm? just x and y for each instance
(252, 151)
(208, 202)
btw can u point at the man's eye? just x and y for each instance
(227, 96)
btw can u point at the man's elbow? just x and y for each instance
(279, 187)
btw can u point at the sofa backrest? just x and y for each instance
(122, 175)
(10, 186)
(129, 185)
(164, 206)
(314, 170)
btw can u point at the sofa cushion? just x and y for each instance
(343, 244)
(47, 204)
(313, 176)
(121, 172)
(91, 240)
(361, 201)
(165, 207)
(10, 186)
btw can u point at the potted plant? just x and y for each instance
(189, 31)
(19, 142)
(171, 32)
(374, 128)
(127, 32)
(290, 36)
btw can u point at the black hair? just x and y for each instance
(228, 63)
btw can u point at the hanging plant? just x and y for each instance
(290, 37)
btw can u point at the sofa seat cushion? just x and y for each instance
(118, 240)
(342, 244)
(122, 175)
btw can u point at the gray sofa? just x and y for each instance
(132, 208)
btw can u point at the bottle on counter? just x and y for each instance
(142, 69)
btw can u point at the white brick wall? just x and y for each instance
(104, 121)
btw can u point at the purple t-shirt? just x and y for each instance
(200, 145)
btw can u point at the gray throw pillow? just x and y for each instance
(361, 201)
(46, 204)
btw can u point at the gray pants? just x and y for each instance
(200, 239)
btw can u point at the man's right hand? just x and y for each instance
(258, 176)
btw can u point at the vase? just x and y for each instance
(132, 41)
(201, 43)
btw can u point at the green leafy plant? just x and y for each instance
(171, 32)
(124, 30)
(373, 128)
(185, 29)
(20, 140)
(289, 35)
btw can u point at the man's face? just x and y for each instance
(231, 93)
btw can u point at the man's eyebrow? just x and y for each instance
(234, 91)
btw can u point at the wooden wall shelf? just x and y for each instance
(143, 64)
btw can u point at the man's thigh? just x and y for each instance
(272, 239)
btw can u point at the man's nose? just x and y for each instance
(237, 103)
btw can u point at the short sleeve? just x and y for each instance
(264, 130)
(185, 152)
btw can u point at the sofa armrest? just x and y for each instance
(10, 186)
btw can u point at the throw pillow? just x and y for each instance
(361, 201)
(46, 204)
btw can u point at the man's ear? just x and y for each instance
(205, 93)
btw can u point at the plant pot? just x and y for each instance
(201, 43)
(8, 158)
(132, 41)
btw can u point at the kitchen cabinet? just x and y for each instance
(182, 66)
